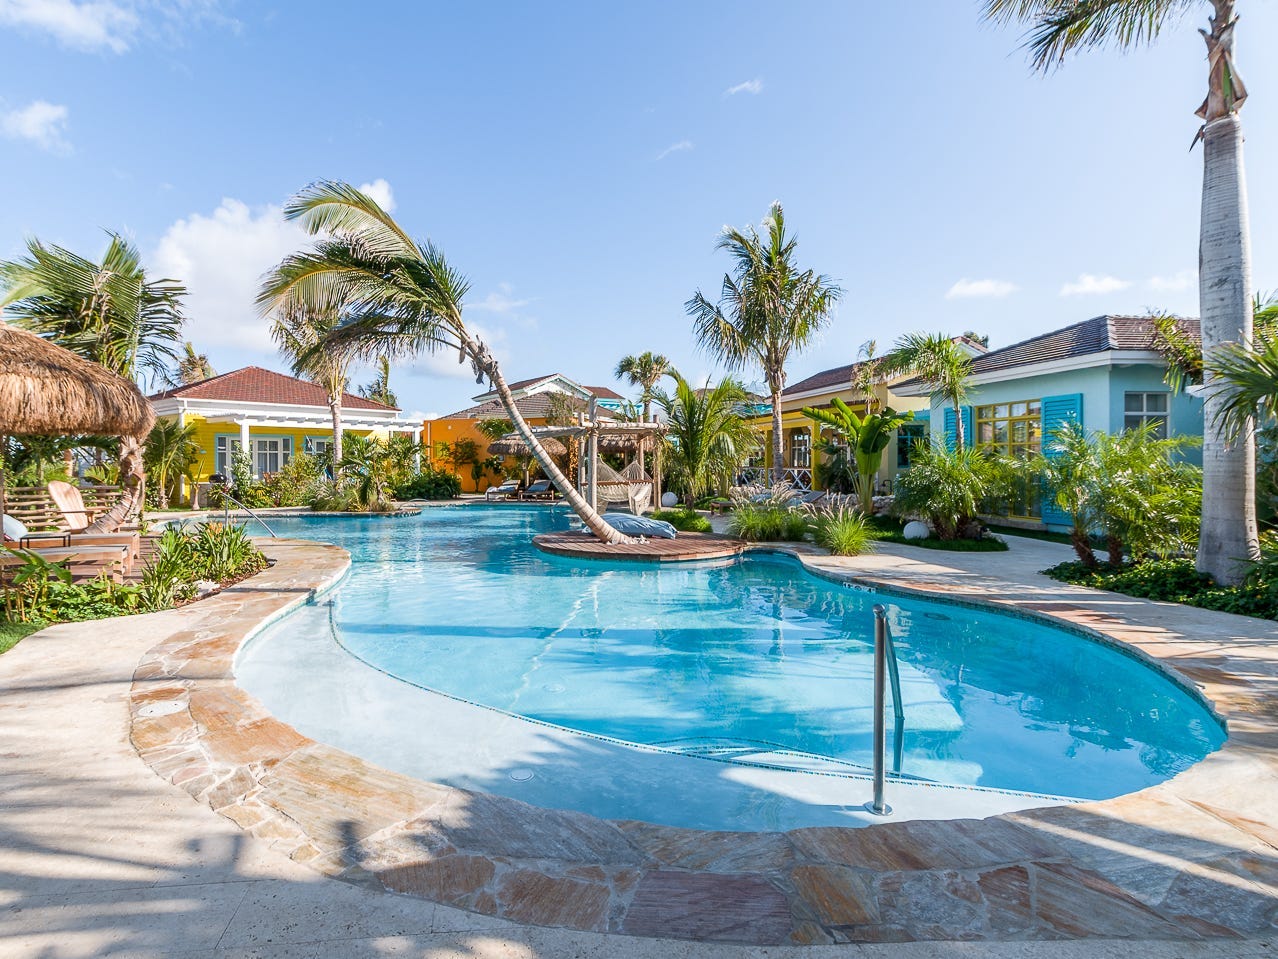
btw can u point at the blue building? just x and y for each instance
(1103, 372)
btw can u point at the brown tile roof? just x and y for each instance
(252, 384)
(539, 404)
(603, 393)
(840, 376)
(1097, 335)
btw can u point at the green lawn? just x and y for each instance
(11, 633)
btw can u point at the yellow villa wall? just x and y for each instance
(791, 417)
(206, 434)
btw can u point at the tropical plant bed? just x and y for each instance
(888, 529)
(1177, 581)
(684, 520)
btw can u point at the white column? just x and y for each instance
(181, 421)
(417, 452)
(245, 443)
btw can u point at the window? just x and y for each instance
(801, 448)
(906, 437)
(226, 446)
(1013, 429)
(269, 454)
(1141, 409)
(317, 447)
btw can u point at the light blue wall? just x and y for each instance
(1186, 410)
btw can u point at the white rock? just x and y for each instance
(916, 530)
(669, 499)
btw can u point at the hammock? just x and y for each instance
(631, 486)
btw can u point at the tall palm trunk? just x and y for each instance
(1229, 537)
(959, 437)
(778, 441)
(335, 411)
(484, 362)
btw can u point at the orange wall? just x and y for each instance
(439, 431)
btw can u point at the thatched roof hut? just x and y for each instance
(45, 389)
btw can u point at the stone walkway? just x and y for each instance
(99, 856)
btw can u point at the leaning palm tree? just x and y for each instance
(301, 331)
(107, 312)
(940, 363)
(767, 308)
(399, 297)
(1058, 27)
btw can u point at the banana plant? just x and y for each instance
(867, 435)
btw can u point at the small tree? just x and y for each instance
(707, 439)
(948, 486)
(940, 363)
(867, 436)
(169, 453)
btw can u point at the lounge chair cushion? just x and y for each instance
(639, 525)
(14, 529)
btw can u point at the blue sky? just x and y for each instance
(576, 161)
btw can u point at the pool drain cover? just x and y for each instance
(521, 775)
(166, 707)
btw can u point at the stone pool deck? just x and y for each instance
(100, 856)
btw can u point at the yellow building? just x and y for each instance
(536, 399)
(801, 436)
(272, 415)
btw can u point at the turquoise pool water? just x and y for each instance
(755, 660)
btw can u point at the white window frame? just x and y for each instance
(1133, 418)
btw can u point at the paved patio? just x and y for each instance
(100, 856)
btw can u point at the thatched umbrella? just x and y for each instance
(45, 389)
(513, 445)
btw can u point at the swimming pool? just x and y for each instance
(732, 696)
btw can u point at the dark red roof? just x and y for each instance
(252, 384)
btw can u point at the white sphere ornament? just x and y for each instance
(669, 499)
(916, 530)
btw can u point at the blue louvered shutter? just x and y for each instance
(951, 434)
(1057, 411)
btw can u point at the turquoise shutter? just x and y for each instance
(1058, 410)
(951, 434)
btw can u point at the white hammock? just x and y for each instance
(631, 486)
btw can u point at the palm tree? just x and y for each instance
(867, 436)
(400, 297)
(169, 454)
(193, 367)
(644, 371)
(708, 440)
(867, 374)
(767, 308)
(379, 390)
(301, 331)
(1229, 535)
(108, 312)
(940, 363)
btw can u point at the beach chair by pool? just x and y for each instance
(76, 519)
(542, 489)
(14, 533)
(505, 491)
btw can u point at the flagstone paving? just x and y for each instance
(94, 854)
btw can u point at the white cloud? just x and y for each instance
(221, 259)
(380, 191)
(41, 122)
(754, 86)
(675, 148)
(1180, 282)
(443, 362)
(1088, 284)
(980, 288)
(92, 25)
(499, 301)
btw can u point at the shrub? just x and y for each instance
(1177, 581)
(685, 520)
(844, 532)
(223, 553)
(947, 487)
(767, 522)
(296, 482)
(430, 484)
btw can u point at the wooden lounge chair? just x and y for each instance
(505, 491)
(542, 489)
(76, 519)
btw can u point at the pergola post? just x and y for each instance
(417, 450)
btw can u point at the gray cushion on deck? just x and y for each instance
(638, 525)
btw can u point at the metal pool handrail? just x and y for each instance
(884, 664)
(226, 513)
